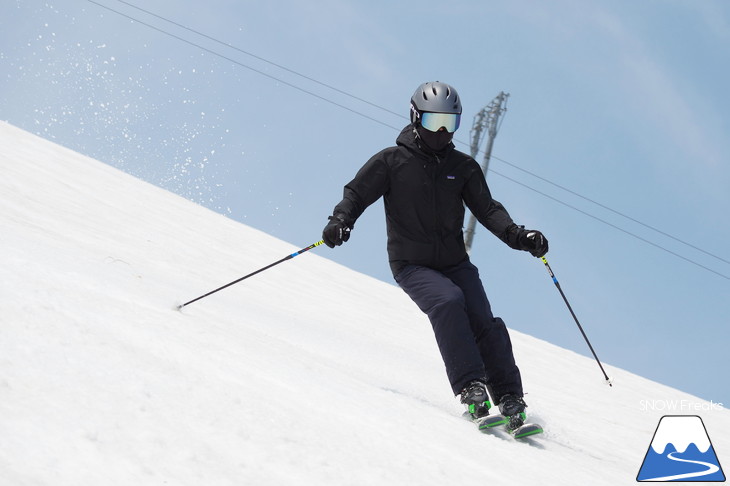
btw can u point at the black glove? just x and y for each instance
(534, 242)
(336, 232)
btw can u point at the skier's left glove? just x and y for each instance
(534, 242)
(336, 232)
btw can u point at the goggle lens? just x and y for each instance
(434, 121)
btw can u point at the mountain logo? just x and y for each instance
(681, 451)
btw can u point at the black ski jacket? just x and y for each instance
(424, 195)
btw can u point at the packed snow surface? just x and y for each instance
(308, 373)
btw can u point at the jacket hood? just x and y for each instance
(408, 138)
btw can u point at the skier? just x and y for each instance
(425, 183)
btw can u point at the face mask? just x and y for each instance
(436, 141)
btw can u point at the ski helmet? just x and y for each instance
(436, 98)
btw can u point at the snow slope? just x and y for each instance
(308, 373)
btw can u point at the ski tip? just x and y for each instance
(492, 421)
(527, 430)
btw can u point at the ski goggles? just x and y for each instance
(434, 121)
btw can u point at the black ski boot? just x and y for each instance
(475, 397)
(513, 407)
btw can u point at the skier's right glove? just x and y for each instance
(534, 242)
(336, 232)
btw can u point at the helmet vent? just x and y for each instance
(436, 97)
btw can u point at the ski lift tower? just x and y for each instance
(487, 120)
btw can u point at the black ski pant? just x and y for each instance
(473, 343)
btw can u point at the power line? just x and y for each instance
(612, 225)
(611, 209)
(284, 68)
(400, 115)
(339, 105)
(238, 63)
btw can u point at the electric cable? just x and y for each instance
(238, 63)
(339, 105)
(649, 242)
(255, 56)
(570, 191)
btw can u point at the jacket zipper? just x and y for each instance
(435, 210)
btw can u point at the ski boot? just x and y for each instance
(474, 396)
(513, 407)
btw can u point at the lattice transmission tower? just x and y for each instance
(486, 121)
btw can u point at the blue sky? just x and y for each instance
(622, 102)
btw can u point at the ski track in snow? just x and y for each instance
(308, 373)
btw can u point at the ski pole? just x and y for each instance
(555, 280)
(288, 257)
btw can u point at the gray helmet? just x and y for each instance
(434, 97)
